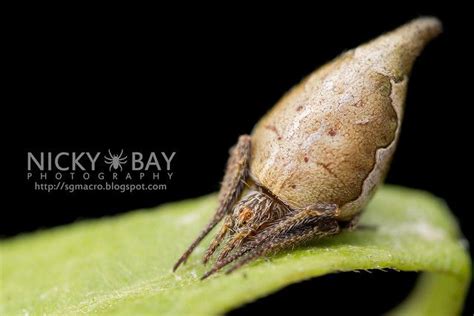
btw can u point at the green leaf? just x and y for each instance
(122, 265)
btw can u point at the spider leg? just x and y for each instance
(110, 168)
(108, 159)
(326, 226)
(218, 238)
(317, 221)
(231, 189)
(236, 241)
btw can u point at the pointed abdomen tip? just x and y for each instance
(429, 26)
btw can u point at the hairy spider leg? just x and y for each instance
(317, 221)
(231, 188)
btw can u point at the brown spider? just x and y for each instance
(313, 162)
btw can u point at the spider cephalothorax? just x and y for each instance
(250, 217)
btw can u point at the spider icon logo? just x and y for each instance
(115, 161)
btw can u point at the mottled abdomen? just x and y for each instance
(331, 138)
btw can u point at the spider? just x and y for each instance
(115, 161)
(310, 166)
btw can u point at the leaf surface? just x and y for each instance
(122, 265)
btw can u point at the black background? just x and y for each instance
(193, 83)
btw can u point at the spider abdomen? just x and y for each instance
(331, 138)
